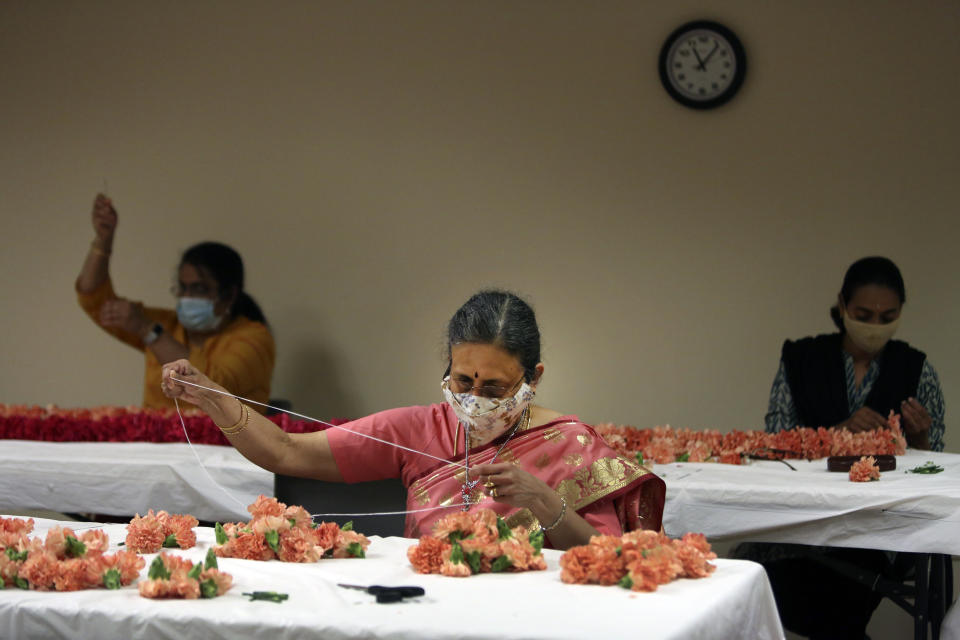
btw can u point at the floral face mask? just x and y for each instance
(487, 417)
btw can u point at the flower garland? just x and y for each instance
(479, 541)
(864, 470)
(64, 561)
(287, 534)
(123, 424)
(639, 560)
(664, 445)
(174, 577)
(153, 531)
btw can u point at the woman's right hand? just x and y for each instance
(104, 220)
(181, 370)
(864, 419)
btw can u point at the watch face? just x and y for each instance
(702, 64)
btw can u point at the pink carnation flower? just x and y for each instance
(864, 470)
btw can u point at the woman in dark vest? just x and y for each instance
(853, 379)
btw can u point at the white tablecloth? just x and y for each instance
(951, 624)
(123, 478)
(766, 501)
(734, 602)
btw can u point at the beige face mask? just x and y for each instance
(868, 336)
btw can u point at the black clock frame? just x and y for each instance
(738, 75)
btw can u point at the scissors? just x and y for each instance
(387, 594)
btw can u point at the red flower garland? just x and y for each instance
(664, 445)
(123, 424)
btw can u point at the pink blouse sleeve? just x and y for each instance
(361, 459)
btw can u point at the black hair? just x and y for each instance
(873, 270)
(500, 318)
(226, 267)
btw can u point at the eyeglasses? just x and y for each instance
(192, 290)
(483, 391)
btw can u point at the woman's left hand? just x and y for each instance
(509, 484)
(916, 419)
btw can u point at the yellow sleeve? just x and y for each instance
(240, 358)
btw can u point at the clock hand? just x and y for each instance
(702, 68)
(709, 55)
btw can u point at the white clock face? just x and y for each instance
(701, 64)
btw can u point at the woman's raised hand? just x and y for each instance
(104, 220)
(181, 370)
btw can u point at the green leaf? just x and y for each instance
(473, 559)
(21, 583)
(3, 584)
(208, 589)
(500, 564)
(453, 536)
(211, 560)
(927, 468)
(355, 549)
(170, 542)
(16, 556)
(313, 525)
(157, 570)
(683, 457)
(75, 548)
(456, 553)
(268, 596)
(503, 530)
(220, 533)
(536, 541)
(639, 457)
(347, 526)
(626, 582)
(194, 573)
(111, 579)
(619, 551)
(273, 540)
(292, 521)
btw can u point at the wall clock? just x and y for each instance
(702, 64)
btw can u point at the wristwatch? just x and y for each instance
(155, 332)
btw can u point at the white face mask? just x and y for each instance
(197, 314)
(868, 336)
(487, 417)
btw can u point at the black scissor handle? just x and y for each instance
(403, 592)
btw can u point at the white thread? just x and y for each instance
(202, 466)
(332, 426)
(183, 424)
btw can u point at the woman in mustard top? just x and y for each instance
(217, 326)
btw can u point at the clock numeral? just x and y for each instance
(684, 52)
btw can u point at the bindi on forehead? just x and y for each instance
(476, 374)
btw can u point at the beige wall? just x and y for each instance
(377, 162)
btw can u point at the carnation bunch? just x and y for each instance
(864, 470)
(156, 530)
(63, 561)
(664, 445)
(287, 534)
(174, 577)
(477, 541)
(638, 560)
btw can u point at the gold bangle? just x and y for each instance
(241, 422)
(563, 512)
(98, 251)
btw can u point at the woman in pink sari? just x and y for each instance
(487, 446)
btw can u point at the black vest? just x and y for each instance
(818, 380)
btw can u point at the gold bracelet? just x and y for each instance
(241, 422)
(98, 251)
(563, 512)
